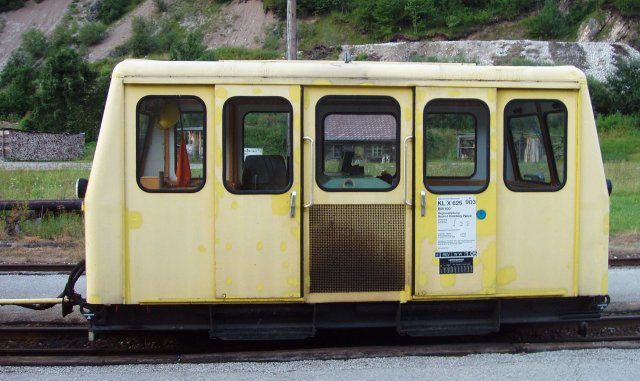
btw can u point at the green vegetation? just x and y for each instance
(111, 10)
(40, 185)
(8, 5)
(625, 199)
(55, 227)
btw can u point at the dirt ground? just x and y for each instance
(242, 23)
(31, 250)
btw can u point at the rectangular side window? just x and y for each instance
(456, 153)
(170, 143)
(257, 150)
(359, 143)
(536, 145)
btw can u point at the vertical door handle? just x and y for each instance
(406, 166)
(423, 203)
(313, 170)
(292, 214)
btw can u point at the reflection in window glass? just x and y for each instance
(536, 145)
(170, 143)
(257, 145)
(359, 151)
(450, 144)
(456, 134)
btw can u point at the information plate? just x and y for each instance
(456, 227)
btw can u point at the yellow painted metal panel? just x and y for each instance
(169, 245)
(104, 206)
(428, 280)
(593, 215)
(536, 230)
(257, 242)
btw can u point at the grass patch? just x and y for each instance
(619, 137)
(55, 227)
(40, 185)
(89, 151)
(234, 53)
(625, 177)
(625, 199)
(332, 30)
(625, 213)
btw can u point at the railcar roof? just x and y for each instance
(340, 73)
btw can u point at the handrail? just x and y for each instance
(406, 174)
(313, 169)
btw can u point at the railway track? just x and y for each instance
(69, 345)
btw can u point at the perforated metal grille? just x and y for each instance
(357, 248)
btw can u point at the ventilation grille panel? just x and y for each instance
(357, 248)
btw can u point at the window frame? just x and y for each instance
(510, 156)
(145, 146)
(458, 185)
(340, 105)
(225, 132)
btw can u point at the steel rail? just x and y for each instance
(28, 268)
(625, 262)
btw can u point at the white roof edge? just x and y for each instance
(335, 70)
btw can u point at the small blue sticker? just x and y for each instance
(481, 214)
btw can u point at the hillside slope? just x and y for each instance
(44, 16)
(244, 23)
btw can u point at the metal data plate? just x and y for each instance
(456, 266)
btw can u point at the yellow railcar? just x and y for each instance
(272, 199)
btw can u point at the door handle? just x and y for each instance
(423, 203)
(292, 214)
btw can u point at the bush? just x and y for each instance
(624, 86)
(628, 7)
(600, 96)
(8, 5)
(547, 24)
(142, 42)
(91, 33)
(35, 43)
(189, 48)
(111, 10)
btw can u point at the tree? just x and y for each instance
(63, 88)
(624, 86)
(415, 9)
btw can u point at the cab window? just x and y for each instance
(536, 145)
(257, 149)
(170, 143)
